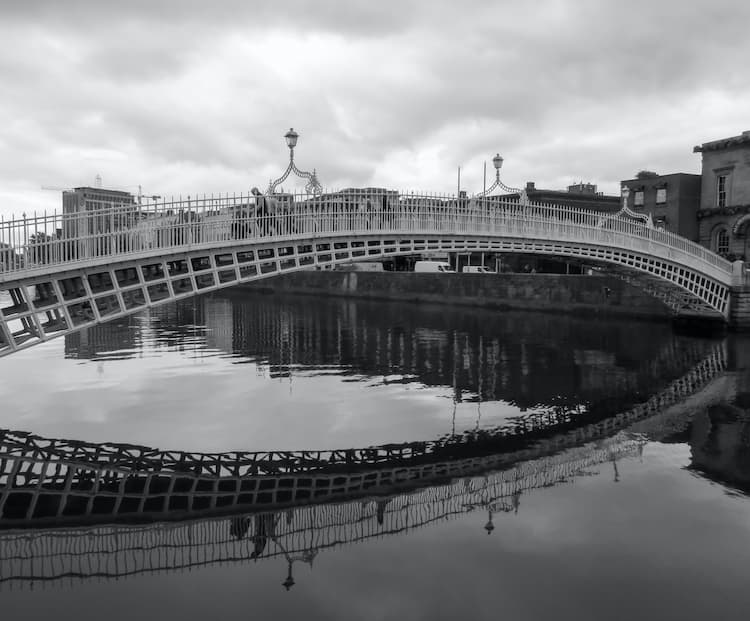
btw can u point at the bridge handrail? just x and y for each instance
(59, 239)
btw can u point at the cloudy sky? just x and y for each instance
(191, 96)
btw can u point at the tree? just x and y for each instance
(646, 174)
(8, 257)
(39, 248)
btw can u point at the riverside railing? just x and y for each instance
(123, 230)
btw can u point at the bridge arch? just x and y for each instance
(194, 246)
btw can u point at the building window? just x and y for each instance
(721, 191)
(722, 242)
(638, 199)
(661, 196)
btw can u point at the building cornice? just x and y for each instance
(724, 143)
(731, 210)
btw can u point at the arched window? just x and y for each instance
(722, 242)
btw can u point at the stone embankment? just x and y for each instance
(592, 295)
(739, 308)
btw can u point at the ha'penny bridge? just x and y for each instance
(71, 509)
(103, 264)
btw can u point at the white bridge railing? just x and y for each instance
(35, 244)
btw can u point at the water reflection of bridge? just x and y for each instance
(283, 504)
(296, 533)
(484, 356)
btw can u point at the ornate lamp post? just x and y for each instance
(497, 162)
(635, 215)
(291, 141)
(313, 186)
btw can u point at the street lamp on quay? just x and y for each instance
(312, 186)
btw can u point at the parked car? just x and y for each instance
(476, 269)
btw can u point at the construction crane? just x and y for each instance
(56, 189)
(140, 195)
(97, 184)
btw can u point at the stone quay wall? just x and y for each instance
(739, 308)
(591, 295)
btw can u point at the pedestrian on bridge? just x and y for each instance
(265, 212)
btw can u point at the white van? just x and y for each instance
(433, 266)
(475, 269)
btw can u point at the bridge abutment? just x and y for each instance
(739, 308)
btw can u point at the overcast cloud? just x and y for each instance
(188, 96)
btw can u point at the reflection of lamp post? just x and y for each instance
(498, 505)
(313, 186)
(489, 526)
(306, 557)
(289, 582)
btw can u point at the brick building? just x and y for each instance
(671, 200)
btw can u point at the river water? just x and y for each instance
(646, 517)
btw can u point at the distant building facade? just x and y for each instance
(671, 200)
(583, 195)
(724, 212)
(90, 214)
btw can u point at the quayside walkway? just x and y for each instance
(62, 272)
(299, 504)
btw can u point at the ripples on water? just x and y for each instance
(602, 527)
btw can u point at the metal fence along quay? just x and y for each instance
(66, 270)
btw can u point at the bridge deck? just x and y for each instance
(112, 263)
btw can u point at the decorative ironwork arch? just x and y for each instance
(497, 162)
(313, 185)
(624, 213)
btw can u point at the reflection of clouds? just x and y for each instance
(196, 374)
